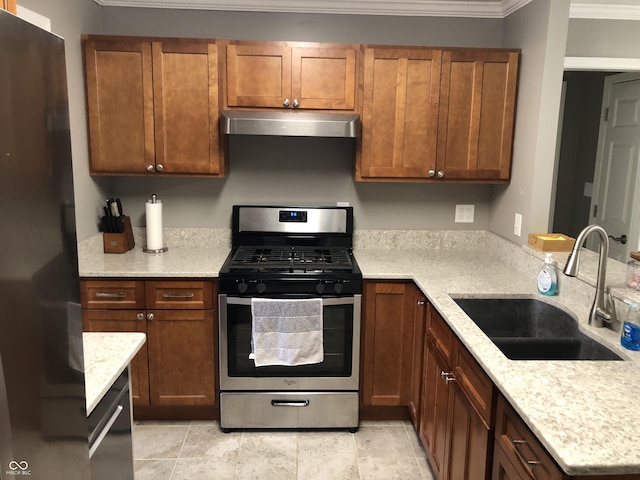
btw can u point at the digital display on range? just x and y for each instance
(293, 216)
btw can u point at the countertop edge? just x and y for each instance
(106, 356)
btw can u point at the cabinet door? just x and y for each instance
(324, 78)
(182, 364)
(400, 113)
(258, 75)
(502, 467)
(120, 105)
(186, 112)
(419, 319)
(9, 5)
(435, 408)
(388, 344)
(124, 321)
(468, 448)
(477, 108)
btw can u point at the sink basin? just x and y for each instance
(530, 329)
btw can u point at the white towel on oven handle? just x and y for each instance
(286, 332)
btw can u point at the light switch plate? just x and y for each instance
(465, 213)
(517, 227)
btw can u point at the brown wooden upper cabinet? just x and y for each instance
(477, 110)
(10, 6)
(301, 76)
(399, 113)
(437, 115)
(153, 106)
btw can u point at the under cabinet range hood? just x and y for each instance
(290, 124)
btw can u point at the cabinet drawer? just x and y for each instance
(441, 334)
(476, 385)
(112, 294)
(190, 295)
(521, 447)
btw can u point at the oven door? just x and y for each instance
(338, 372)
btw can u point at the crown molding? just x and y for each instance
(432, 8)
(603, 11)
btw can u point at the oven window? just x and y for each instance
(338, 346)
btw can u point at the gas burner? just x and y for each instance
(291, 251)
(290, 259)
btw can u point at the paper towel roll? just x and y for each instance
(154, 225)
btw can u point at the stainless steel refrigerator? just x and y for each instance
(43, 424)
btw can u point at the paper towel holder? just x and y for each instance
(154, 199)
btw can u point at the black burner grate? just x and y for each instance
(290, 259)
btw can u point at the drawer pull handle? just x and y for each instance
(110, 295)
(529, 464)
(177, 295)
(290, 403)
(448, 377)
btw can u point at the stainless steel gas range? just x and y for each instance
(290, 302)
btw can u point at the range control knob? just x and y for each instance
(261, 287)
(337, 287)
(320, 288)
(242, 286)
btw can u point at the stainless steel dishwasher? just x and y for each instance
(110, 441)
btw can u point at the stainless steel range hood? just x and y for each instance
(290, 124)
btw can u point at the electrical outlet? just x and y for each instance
(464, 213)
(517, 227)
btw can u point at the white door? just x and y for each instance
(614, 205)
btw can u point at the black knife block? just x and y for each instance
(119, 242)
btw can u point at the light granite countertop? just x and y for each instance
(579, 410)
(106, 355)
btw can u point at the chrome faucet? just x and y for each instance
(603, 309)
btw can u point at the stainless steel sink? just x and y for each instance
(530, 329)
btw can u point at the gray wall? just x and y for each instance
(311, 171)
(603, 38)
(540, 29)
(292, 173)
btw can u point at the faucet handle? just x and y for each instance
(608, 313)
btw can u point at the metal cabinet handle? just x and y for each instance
(296, 103)
(448, 377)
(420, 302)
(440, 174)
(177, 295)
(110, 295)
(528, 464)
(286, 102)
(432, 173)
(159, 167)
(150, 168)
(150, 316)
(140, 316)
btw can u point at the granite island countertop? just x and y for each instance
(575, 408)
(106, 355)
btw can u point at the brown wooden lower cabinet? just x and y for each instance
(454, 431)
(174, 374)
(389, 312)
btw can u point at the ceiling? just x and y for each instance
(603, 9)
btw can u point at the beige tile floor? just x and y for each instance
(199, 450)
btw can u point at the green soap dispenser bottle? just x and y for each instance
(547, 278)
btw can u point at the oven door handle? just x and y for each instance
(325, 301)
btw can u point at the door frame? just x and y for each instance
(634, 228)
